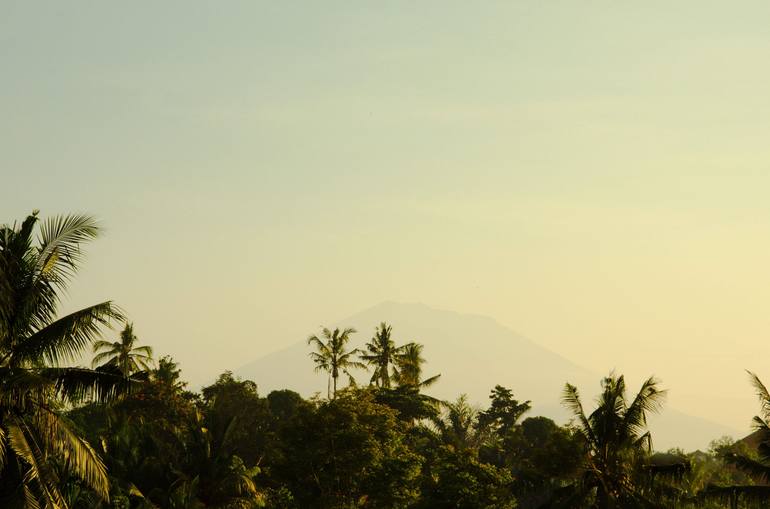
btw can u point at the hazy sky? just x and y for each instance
(593, 174)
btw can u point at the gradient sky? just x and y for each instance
(593, 174)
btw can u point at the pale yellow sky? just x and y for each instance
(594, 175)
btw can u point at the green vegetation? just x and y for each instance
(409, 362)
(38, 447)
(129, 434)
(123, 355)
(382, 355)
(333, 357)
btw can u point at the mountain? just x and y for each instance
(473, 354)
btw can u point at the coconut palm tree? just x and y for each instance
(123, 354)
(409, 361)
(35, 346)
(616, 438)
(382, 355)
(757, 467)
(332, 356)
(168, 374)
(457, 427)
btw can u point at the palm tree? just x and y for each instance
(757, 467)
(123, 354)
(383, 353)
(332, 356)
(34, 345)
(409, 361)
(457, 427)
(616, 437)
(168, 374)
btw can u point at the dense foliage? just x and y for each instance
(129, 434)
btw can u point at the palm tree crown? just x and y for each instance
(382, 354)
(332, 356)
(33, 345)
(457, 427)
(409, 362)
(759, 466)
(123, 354)
(615, 435)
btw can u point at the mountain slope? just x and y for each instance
(473, 354)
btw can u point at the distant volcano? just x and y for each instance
(473, 354)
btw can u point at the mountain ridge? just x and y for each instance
(455, 342)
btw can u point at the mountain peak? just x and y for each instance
(473, 353)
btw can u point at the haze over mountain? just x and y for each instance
(501, 158)
(473, 353)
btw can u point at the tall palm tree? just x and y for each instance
(409, 362)
(382, 354)
(34, 348)
(123, 354)
(332, 356)
(616, 438)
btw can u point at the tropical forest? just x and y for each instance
(90, 418)
(359, 254)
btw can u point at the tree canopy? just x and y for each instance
(128, 433)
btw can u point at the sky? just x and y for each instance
(592, 174)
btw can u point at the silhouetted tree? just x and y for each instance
(346, 451)
(458, 428)
(409, 362)
(232, 408)
(757, 465)
(332, 356)
(616, 438)
(123, 354)
(504, 412)
(33, 345)
(381, 355)
(456, 479)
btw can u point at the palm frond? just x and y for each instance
(102, 344)
(60, 239)
(318, 343)
(30, 501)
(104, 358)
(648, 399)
(749, 465)
(762, 393)
(142, 351)
(38, 472)
(644, 442)
(67, 337)
(79, 384)
(571, 399)
(429, 381)
(3, 448)
(79, 455)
